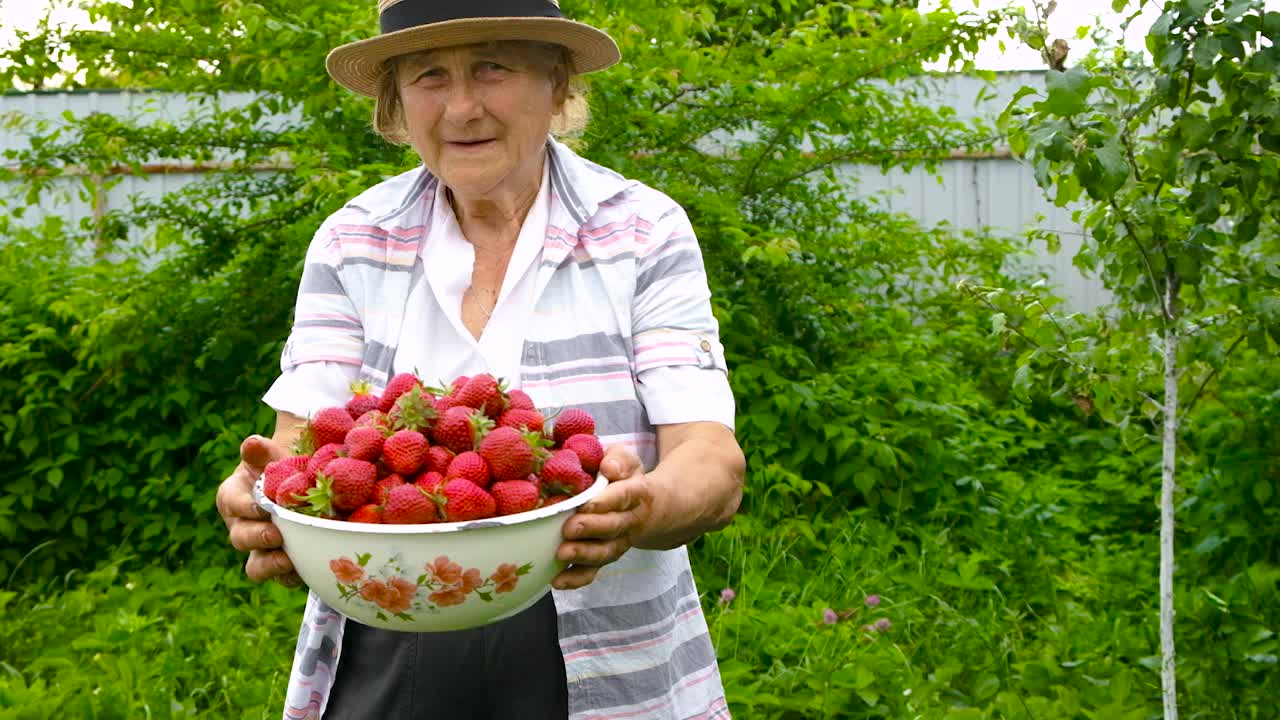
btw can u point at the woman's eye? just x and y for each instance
(491, 67)
(430, 74)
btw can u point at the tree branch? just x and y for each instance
(808, 103)
(1186, 410)
(1165, 312)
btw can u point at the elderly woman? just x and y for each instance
(505, 252)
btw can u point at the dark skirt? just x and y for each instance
(510, 669)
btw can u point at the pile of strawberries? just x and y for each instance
(418, 454)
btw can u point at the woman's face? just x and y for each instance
(479, 116)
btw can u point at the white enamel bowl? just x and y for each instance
(428, 578)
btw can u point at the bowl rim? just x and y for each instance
(559, 508)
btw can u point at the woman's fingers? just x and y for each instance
(574, 578)
(249, 535)
(596, 553)
(601, 526)
(620, 463)
(264, 565)
(291, 580)
(257, 451)
(235, 498)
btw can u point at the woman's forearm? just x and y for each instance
(696, 487)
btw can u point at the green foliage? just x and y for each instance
(130, 643)
(1179, 161)
(172, 353)
(899, 442)
(1172, 166)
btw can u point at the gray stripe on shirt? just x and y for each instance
(684, 261)
(616, 364)
(644, 612)
(634, 688)
(378, 264)
(596, 262)
(378, 356)
(588, 346)
(321, 279)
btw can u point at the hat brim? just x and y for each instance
(358, 65)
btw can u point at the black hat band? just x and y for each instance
(416, 13)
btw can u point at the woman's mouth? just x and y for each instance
(470, 144)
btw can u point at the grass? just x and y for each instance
(983, 625)
(147, 643)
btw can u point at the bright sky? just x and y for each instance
(1070, 14)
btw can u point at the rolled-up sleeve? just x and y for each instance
(307, 389)
(326, 325)
(325, 349)
(679, 360)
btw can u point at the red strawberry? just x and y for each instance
(514, 496)
(522, 419)
(464, 500)
(508, 452)
(324, 455)
(350, 482)
(589, 451)
(292, 493)
(460, 429)
(280, 470)
(414, 410)
(398, 386)
(366, 514)
(362, 400)
(405, 452)
(469, 466)
(438, 458)
(364, 443)
(384, 486)
(442, 405)
(482, 392)
(375, 418)
(519, 400)
(563, 474)
(458, 383)
(573, 421)
(554, 499)
(330, 425)
(430, 481)
(408, 505)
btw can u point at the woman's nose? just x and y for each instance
(462, 103)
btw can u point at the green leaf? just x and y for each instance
(1068, 92)
(865, 480)
(863, 676)
(986, 687)
(1262, 491)
(1115, 167)
(1022, 380)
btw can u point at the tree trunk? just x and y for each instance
(1168, 677)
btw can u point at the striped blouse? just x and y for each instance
(620, 289)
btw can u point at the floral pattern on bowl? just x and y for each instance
(390, 592)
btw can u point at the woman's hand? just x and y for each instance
(248, 525)
(695, 489)
(603, 529)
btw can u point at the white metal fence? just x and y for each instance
(993, 192)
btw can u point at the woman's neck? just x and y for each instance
(493, 221)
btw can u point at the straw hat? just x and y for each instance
(413, 25)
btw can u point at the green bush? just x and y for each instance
(895, 447)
